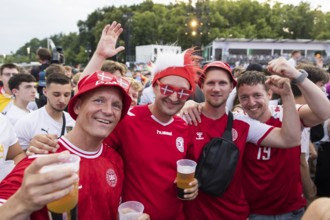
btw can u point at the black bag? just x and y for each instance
(217, 163)
(322, 175)
(317, 133)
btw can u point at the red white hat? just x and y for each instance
(96, 80)
(220, 65)
(169, 64)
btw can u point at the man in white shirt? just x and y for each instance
(50, 119)
(6, 97)
(6, 72)
(23, 88)
(9, 147)
(148, 96)
(295, 56)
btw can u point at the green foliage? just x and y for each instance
(151, 23)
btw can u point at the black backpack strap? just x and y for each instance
(63, 125)
(227, 134)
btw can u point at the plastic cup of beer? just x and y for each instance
(69, 201)
(185, 174)
(130, 210)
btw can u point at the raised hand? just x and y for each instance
(107, 43)
(105, 48)
(282, 67)
(279, 85)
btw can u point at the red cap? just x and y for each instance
(96, 80)
(220, 65)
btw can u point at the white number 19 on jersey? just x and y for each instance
(264, 153)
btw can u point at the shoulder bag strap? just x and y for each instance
(227, 134)
(63, 125)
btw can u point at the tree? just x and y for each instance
(151, 23)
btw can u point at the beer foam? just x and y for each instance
(186, 169)
(129, 212)
(54, 167)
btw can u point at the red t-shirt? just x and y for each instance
(150, 150)
(100, 181)
(272, 180)
(232, 204)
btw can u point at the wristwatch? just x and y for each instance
(303, 75)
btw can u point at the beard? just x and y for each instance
(216, 104)
(57, 109)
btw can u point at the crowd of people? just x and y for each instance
(129, 129)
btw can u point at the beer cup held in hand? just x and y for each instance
(68, 202)
(185, 174)
(130, 210)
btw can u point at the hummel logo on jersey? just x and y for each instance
(168, 133)
(199, 136)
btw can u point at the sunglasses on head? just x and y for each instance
(168, 90)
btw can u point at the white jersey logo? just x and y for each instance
(199, 136)
(111, 177)
(234, 134)
(180, 144)
(169, 133)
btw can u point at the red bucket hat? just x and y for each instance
(217, 64)
(96, 80)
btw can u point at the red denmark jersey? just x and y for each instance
(13, 181)
(272, 181)
(150, 150)
(100, 182)
(232, 204)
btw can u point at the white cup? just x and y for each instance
(130, 210)
(5, 168)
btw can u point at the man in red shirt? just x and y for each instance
(272, 176)
(216, 83)
(101, 102)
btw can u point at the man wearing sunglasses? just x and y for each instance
(151, 138)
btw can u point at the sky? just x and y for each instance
(21, 21)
